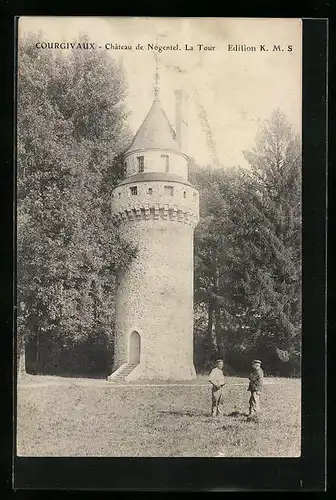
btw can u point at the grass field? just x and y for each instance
(80, 417)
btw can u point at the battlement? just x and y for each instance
(167, 200)
(156, 211)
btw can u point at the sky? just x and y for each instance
(236, 89)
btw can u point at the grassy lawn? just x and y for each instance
(70, 417)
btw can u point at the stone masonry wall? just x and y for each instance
(155, 295)
(153, 162)
(155, 298)
(152, 195)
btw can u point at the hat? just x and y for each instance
(218, 360)
(256, 361)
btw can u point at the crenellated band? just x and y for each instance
(155, 211)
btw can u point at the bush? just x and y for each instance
(92, 357)
(240, 361)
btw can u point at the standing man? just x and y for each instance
(256, 378)
(216, 378)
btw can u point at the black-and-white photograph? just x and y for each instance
(159, 222)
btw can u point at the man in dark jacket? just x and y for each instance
(255, 386)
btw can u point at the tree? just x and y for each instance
(248, 247)
(274, 191)
(210, 240)
(71, 132)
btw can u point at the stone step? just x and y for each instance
(126, 370)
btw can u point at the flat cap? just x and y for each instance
(257, 361)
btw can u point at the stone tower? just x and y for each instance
(157, 209)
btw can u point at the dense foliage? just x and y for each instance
(248, 255)
(71, 132)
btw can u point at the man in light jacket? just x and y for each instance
(216, 379)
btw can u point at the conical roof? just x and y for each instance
(155, 132)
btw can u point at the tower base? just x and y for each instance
(173, 374)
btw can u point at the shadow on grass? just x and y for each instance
(237, 414)
(196, 413)
(186, 413)
(245, 417)
(67, 374)
(95, 376)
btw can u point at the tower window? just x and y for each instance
(125, 166)
(150, 191)
(119, 195)
(184, 194)
(141, 163)
(134, 190)
(166, 162)
(194, 194)
(169, 190)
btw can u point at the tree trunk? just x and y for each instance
(216, 327)
(21, 366)
(37, 353)
(216, 314)
(212, 328)
(22, 362)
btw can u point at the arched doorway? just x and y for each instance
(134, 348)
